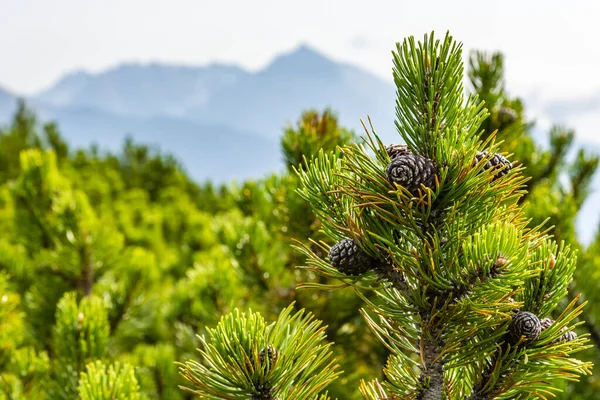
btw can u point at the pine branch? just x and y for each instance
(46, 239)
(589, 326)
(245, 357)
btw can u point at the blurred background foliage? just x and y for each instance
(110, 264)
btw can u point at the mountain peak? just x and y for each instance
(302, 59)
(306, 50)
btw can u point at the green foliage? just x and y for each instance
(81, 332)
(20, 136)
(313, 131)
(79, 337)
(155, 370)
(144, 169)
(11, 318)
(163, 256)
(295, 361)
(117, 382)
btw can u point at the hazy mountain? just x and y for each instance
(206, 151)
(213, 107)
(262, 102)
(142, 90)
(7, 104)
(266, 100)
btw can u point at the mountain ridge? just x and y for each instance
(135, 90)
(302, 78)
(7, 104)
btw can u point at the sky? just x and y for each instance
(551, 47)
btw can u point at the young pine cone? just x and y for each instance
(349, 259)
(411, 171)
(497, 162)
(507, 115)
(271, 354)
(568, 336)
(395, 150)
(525, 324)
(546, 323)
(263, 392)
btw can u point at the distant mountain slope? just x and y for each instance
(213, 152)
(265, 101)
(142, 90)
(262, 102)
(7, 104)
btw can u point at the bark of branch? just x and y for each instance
(432, 376)
(86, 282)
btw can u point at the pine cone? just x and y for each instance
(507, 115)
(568, 336)
(525, 324)
(546, 323)
(271, 354)
(411, 171)
(349, 259)
(497, 162)
(395, 150)
(263, 392)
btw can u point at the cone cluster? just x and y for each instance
(528, 325)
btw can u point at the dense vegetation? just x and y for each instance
(111, 264)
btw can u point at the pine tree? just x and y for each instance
(456, 285)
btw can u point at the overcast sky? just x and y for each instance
(552, 47)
